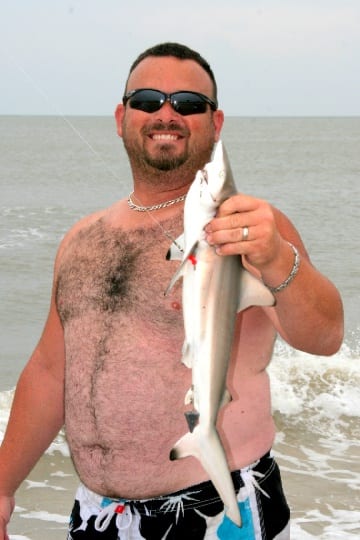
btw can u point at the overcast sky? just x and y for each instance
(270, 57)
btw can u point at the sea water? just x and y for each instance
(55, 170)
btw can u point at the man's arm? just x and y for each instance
(36, 416)
(308, 313)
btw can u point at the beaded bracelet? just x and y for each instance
(292, 274)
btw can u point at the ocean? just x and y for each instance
(54, 170)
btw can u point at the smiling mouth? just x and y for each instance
(165, 137)
(166, 132)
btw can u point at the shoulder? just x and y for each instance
(111, 217)
(79, 227)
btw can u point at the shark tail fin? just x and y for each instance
(205, 445)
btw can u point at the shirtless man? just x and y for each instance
(108, 361)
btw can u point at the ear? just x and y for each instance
(119, 115)
(218, 120)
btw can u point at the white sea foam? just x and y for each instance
(316, 402)
(60, 474)
(335, 524)
(31, 484)
(23, 227)
(19, 237)
(323, 391)
(45, 516)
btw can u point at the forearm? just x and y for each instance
(309, 312)
(35, 419)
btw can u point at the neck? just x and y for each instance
(160, 186)
(152, 185)
(134, 203)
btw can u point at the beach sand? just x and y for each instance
(44, 501)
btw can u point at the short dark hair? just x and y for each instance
(178, 51)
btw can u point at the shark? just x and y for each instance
(214, 290)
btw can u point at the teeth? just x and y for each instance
(164, 137)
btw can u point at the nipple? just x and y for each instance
(176, 306)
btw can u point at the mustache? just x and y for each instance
(166, 126)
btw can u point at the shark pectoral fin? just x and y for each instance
(176, 250)
(253, 292)
(186, 446)
(186, 357)
(181, 269)
(178, 274)
(189, 396)
(226, 398)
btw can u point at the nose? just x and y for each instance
(166, 112)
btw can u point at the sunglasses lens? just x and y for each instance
(186, 103)
(147, 100)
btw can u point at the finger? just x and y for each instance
(232, 221)
(240, 238)
(231, 236)
(237, 203)
(232, 215)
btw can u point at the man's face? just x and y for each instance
(165, 140)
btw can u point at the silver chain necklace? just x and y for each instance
(165, 204)
(148, 209)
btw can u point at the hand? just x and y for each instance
(226, 231)
(6, 509)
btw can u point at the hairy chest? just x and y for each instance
(112, 272)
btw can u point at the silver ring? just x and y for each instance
(245, 234)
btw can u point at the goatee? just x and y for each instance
(164, 161)
(167, 159)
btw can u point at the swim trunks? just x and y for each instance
(196, 513)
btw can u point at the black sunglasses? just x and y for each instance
(183, 102)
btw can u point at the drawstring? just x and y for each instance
(109, 508)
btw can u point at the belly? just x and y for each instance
(123, 405)
(124, 409)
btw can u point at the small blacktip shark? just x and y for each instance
(215, 289)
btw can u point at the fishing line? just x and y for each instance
(60, 114)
